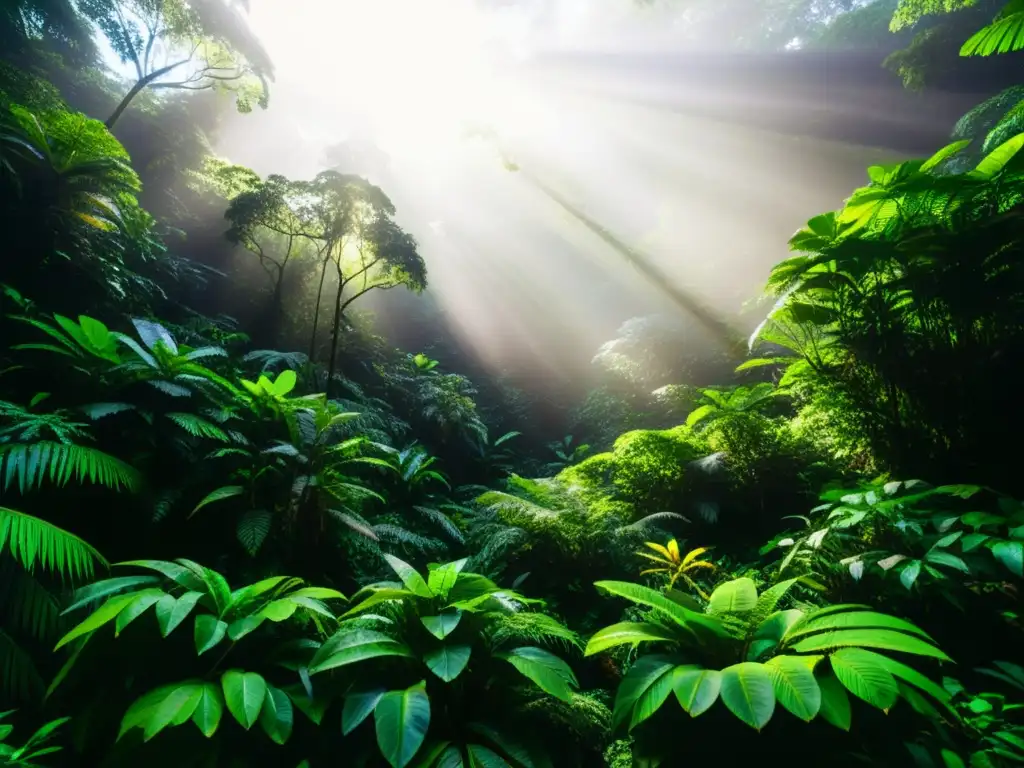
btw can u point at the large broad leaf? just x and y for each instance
(647, 671)
(209, 630)
(244, 693)
(107, 587)
(442, 578)
(948, 151)
(1010, 553)
(519, 754)
(735, 595)
(769, 633)
(696, 689)
(862, 675)
(470, 586)
(886, 639)
(909, 675)
(409, 576)
(143, 601)
(447, 661)
(851, 620)
(650, 701)
(795, 686)
(442, 625)
(169, 704)
(349, 646)
(684, 617)
(358, 707)
(548, 671)
(171, 610)
(402, 719)
(173, 571)
(748, 692)
(276, 716)
(209, 710)
(835, 702)
(626, 633)
(484, 757)
(226, 492)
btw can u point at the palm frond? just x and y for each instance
(31, 463)
(34, 542)
(20, 681)
(27, 607)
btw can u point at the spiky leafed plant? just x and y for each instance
(438, 647)
(38, 744)
(745, 651)
(673, 564)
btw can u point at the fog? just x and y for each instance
(598, 116)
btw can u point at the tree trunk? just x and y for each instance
(135, 91)
(316, 311)
(334, 334)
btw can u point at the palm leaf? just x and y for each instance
(30, 463)
(33, 542)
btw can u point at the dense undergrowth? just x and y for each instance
(282, 542)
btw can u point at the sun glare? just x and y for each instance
(408, 72)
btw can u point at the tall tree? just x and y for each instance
(193, 45)
(265, 219)
(351, 220)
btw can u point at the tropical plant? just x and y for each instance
(673, 564)
(37, 745)
(743, 650)
(429, 630)
(566, 454)
(221, 618)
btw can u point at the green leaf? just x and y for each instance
(447, 661)
(910, 573)
(862, 676)
(173, 571)
(696, 689)
(226, 492)
(244, 693)
(886, 639)
(642, 675)
(176, 708)
(1010, 553)
(909, 675)
(948, 560)
(996, 160)
(771, 631)
(209, 630)
(376, 597)
(735, 595)
(795, 686)
(276, 716)
(835, 703)
(442, 578)
(748, 692)
(548, 671)
(409, 576)
(142, 602)
(358, 707)
(683, 617)
(106, 587)
(816, 622)
(171, 610)
(484, 757)
(102, 615)
(285, 382)
(626, 633)
(349, 646)
(943, 154)
(209, 710)
(402, 719)
(443, 625)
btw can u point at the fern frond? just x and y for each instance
(523, 627)
(33, 542)
(393, 534)
(274, 360)
(442, 521)
(31, 463)
(198, 426)
(356, 522)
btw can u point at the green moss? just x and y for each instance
(650, 467)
